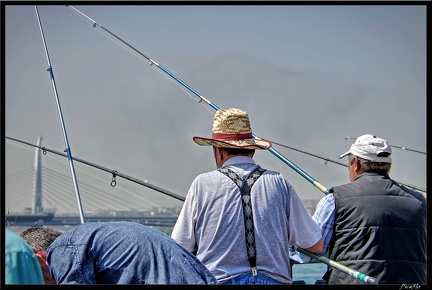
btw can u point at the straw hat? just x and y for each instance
(231, 129)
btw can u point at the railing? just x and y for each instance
(155, 221)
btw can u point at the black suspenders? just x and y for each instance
(245, 186)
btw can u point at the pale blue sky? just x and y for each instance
(308, 75)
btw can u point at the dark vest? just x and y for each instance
(379, 230)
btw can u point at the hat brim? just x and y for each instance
(252, 143)
(345, 154)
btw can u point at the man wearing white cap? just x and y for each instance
(373, 224)
(240, 219)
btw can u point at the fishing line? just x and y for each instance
(202, 98)
(109, 37)
(68, 150)
(304, 152)
(399, 147)
(138, 57)
(343, 164)
(126, 48)
(183, 89)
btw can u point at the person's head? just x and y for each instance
(232, 136)
(368, 153)
(39, 238)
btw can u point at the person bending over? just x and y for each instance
(114, 253)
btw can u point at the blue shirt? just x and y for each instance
(21, 264)
(324, 217)
(122, 253)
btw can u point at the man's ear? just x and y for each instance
(219, 156)
(42, 258)
(357, 167)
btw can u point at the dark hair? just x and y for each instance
(39, 238)
(238, 151)
(368, 165)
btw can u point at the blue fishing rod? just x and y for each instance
(202, 98)
(67, 150)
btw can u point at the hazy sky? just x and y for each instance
(308, 75)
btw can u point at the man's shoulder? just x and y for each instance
(206, 175)
(340, 190)
(413, 193)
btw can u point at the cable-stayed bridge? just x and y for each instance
(38, 190)
(57, 195)
(58, 192)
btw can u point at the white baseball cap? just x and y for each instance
(369, 147)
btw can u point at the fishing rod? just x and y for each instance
(311, 154)
(404, 148)
(202, 98)
(356, 274)
(114, 173)
(68, 150)
(339, 163)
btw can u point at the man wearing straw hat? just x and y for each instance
(241, 219)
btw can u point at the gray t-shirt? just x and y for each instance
(211, 222)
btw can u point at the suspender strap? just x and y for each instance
(245, 186)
